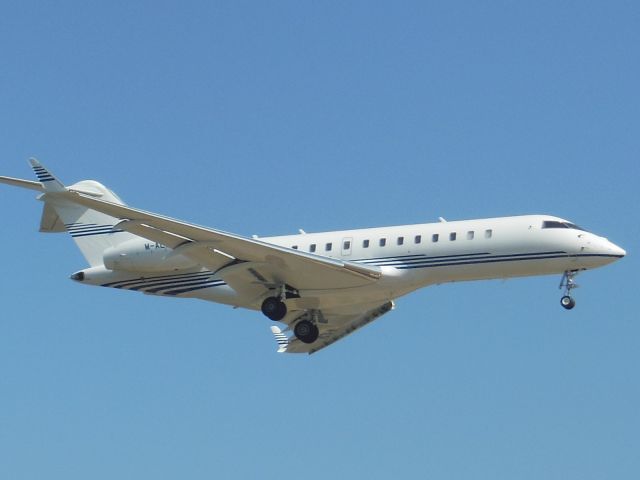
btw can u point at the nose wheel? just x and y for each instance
(567, 302)
(568, 283)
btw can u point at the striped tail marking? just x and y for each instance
(87, 229)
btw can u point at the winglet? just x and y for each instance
(281, 338)
(49, 182)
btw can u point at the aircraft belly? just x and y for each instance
(384, 290)
(219, 294)
(502, 269)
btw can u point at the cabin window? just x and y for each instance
(400, 240)
(488, 233)
(312, 247)
(435, 237)
(470, 235)
(452, 236)
(328, 247)
(383, 242)
(365, 244)
(346, 245)
(418, 239)
(295, 247)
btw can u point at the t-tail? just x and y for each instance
(92, 231)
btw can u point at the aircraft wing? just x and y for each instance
(265, 264)
(332, 325)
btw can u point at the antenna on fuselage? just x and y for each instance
(442, 220)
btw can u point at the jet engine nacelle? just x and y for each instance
(139, 255)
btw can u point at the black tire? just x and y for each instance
(274, 309)
(305, 331)
(567, 302)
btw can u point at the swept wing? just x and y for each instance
(275, 264)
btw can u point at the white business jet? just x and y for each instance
(322, 286)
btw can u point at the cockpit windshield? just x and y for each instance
(557, 224)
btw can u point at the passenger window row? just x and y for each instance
(453, 236)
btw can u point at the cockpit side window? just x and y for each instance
(557, 224)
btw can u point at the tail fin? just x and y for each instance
(92, 231)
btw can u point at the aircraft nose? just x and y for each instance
(616, 250)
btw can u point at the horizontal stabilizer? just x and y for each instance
(82, 187)
(18, 182)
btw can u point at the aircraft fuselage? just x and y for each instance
(409, 256)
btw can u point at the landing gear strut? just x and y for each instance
(568, 283)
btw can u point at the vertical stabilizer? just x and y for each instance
(92, 231)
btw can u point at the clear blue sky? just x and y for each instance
(266, 117)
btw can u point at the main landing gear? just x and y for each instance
(568, 283)
(306, 331)
(274, 307)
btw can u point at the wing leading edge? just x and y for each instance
(283, 265)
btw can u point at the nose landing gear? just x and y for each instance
(567, 302)
(568, 283)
